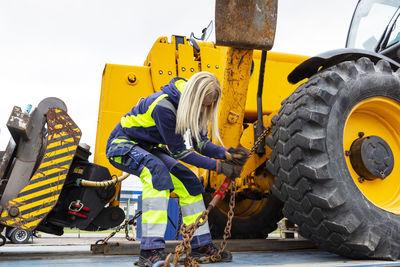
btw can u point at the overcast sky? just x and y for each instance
(59, 47)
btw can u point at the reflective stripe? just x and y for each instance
(155, 216)
(180, 84)
(204, 229)
(153, 229)
(166, 104)
(154, 203)
(202, 145)
(154, 206)
(193, 208)
(119, 140)
(184, 197)
(148, 190)
(190, 218)
(117, 159)
(181, 154)
(142, 120)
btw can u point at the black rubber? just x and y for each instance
(20, 236)
(257, 226)
(2, 240)
(309, 162)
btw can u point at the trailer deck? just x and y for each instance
(76, 252)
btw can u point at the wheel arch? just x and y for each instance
(331, 58)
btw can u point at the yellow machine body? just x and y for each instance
(123, 86)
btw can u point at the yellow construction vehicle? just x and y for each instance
(329, 162)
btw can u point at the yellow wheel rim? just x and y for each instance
(245, 209)
(378, 116)
(248, 208)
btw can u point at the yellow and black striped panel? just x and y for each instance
(38, 198)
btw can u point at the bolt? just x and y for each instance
(208, 65)
(160, 72)
(217, 67)
(13, 211)
(360, 134)
(131, 78)
(191, 69)
(169, 72)
(347, 153)
(382, 173)
(361, 179)
(183, 69)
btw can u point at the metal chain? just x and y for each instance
(188, 231)
(260, 139)
(125, 225)
(227, 231)
(179, 223)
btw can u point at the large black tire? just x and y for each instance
(258, 225)
(312, 177)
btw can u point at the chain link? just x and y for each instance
(125, 225)
(227, 231)
(188, 231)
(260, 139)
(179, 223)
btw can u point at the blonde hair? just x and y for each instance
(189, 115)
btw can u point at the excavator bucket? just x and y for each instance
(246, 24)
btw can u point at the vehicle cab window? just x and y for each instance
(372, 20)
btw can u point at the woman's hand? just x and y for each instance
(237, 156)
(229, 170)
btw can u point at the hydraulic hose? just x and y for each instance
(83, 182)
(260, 124)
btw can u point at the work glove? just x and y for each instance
(229, 170)
(237, 156)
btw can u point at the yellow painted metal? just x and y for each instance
(213, 59)
(233, 101)
(117, 97)
(377, 116)
(234, 94)
(162, 60)
(276, 87)
(187, 63)
(123, 86)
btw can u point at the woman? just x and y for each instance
(137, 146)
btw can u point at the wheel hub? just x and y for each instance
(371, 157)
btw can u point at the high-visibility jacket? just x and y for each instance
(153, 121)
